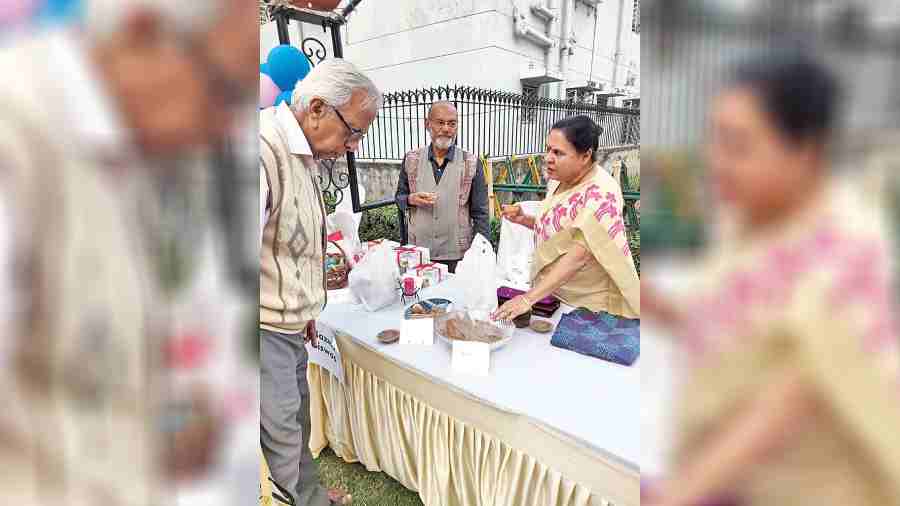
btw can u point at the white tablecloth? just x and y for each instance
(594, 402)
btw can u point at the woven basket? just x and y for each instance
(337, 278)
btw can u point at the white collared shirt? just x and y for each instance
(297, 144)
(84, 103)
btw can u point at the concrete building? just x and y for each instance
(552, 48)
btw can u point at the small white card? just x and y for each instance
(471, 357)
(418, 331)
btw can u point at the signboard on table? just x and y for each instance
(419, 331)
(471, 358)
(326, 353)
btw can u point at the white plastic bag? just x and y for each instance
(343, 222)
(515, 253)
(477, 274)
(374, 280)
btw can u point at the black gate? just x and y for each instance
(331, 183)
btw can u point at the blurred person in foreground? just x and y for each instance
(792, 394)
(90, 112)
(332, 108)
(582, 254)
(443, 217)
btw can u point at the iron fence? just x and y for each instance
(491, 122)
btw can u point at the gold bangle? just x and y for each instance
(527, 301)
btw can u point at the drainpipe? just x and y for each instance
(618, 54)
(565, 45)
(533, 34)
(552, 21)
(542, 37)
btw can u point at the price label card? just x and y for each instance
(418, 331)
(471, 358)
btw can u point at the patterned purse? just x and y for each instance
(601, 335)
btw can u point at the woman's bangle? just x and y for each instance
(527, 301)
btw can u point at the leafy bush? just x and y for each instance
(380, 223)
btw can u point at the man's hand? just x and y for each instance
(310, 335)
(422, 199)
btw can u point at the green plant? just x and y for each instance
(634, 182)
(330, 202)
(495, 233)
(380, 223)
(634, 242)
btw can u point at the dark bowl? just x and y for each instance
(522, 321)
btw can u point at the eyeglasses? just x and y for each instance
(355, 133)
(441, 123)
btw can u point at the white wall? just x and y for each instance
(404, 44)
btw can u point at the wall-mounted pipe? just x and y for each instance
(617, 57)
(543, 12)
(542, 38)
(533, 34)
(549, 56)
(565, 45)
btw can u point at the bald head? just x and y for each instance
(442, 108)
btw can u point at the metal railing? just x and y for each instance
(491, 122)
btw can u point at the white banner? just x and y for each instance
(326, 353)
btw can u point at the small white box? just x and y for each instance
(434, 273)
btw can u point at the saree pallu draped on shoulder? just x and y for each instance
(813, 298)
(590, 214)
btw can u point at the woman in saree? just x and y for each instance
(582, 254)
(791, 387)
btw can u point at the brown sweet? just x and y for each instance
(453, 330)
(463, 330)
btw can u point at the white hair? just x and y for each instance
(103, 18)
(334, 81)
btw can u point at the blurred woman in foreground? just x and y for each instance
(792, 393)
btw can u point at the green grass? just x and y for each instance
(368, 489)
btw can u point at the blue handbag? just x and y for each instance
(601, 335)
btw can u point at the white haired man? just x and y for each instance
(85, 110)
(332, 107)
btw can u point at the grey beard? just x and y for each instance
(443, 142)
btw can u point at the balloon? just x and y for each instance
(284, 97)
(287, 65)
(268, 91)
(264, 68)
(59, 11)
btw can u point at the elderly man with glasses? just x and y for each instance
(331, 109)
(443, 192)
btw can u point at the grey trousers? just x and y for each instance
(284, 418)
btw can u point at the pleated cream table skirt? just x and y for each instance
(451, 448)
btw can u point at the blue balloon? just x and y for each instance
(264, 69)
(287, 65)
(285, 97)
(59, 11)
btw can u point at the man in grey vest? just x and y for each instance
(331, 109)
(442, 191)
